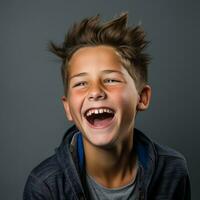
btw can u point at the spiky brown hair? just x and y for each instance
(129, 43)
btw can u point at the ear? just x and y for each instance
(67, 109)
(144, 98)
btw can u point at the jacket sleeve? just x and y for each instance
(35, 189)
(185, 189)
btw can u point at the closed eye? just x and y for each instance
(111, 81)
(80, 84)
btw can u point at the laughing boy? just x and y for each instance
(103, 156)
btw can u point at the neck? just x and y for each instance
(111, 167)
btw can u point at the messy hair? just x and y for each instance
(128, 42)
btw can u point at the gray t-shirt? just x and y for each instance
(99, 192)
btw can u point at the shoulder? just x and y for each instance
(161, 155)
(42, 179)
(46, 169)
(53, 176)
(167, 169)
(170, 160)
(163, 150)
(166, 152)
(53, 166)
(171, 177)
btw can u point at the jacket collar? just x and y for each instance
(68, 162)
(147, 156)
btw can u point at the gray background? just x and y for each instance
(32, 120)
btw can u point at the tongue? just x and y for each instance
(102, 122)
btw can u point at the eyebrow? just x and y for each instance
(107, 71)
(80, 74)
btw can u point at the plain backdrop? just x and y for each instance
(32, 120)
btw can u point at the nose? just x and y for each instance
(96, 93)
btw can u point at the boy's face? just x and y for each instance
(102, 97)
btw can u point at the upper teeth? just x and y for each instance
(97, 111)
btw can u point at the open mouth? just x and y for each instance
(99, 117)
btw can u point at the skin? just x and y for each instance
(98, 79)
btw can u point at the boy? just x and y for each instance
(103, 156)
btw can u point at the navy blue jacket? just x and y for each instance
(163, 173)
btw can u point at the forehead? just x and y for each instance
(94, 58)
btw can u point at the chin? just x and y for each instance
(104, 140)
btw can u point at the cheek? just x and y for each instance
(125, 98)
(75, 102)
(75, 96)
(128, 104)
